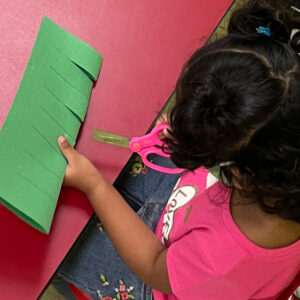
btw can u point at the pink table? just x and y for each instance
(144, 44)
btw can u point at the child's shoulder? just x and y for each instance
(201, 178)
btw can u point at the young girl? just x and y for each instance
(237, 107)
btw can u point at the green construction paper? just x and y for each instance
(52, 100)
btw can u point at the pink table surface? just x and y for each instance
(144, 45)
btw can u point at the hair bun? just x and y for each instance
(214, 97)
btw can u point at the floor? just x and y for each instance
(50, 293)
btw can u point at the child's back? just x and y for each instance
(214, 247)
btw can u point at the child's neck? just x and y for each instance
(263, 229)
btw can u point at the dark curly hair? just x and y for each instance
(238, 99)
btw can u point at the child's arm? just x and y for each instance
(135, 242)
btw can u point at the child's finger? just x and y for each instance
(67, 150)
(166, 133)
(163, 118)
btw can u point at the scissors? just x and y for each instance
(143, 145)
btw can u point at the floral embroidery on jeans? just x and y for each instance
(138, 167)
(100, 227)
(103, 279)
(122, 293)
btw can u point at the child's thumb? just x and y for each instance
(67, 150)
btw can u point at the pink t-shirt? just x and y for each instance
(208, 256)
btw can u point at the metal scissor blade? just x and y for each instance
(110, 138)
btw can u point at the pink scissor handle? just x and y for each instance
(145, 145)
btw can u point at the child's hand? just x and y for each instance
(80, 173)
(163, 119)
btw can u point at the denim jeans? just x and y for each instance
(93, 265)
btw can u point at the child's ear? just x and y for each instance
(236, 177)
